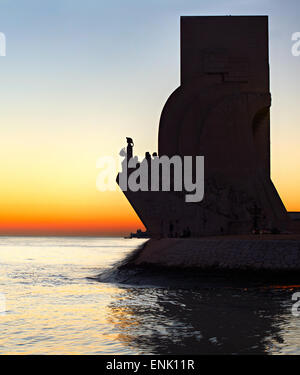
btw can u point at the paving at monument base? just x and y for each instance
(240, 252)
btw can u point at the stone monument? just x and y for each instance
(221, 111)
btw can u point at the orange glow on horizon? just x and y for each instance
(121, 223)
(39, 203)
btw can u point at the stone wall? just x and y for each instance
(238, 254)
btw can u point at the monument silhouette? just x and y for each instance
(221, 111)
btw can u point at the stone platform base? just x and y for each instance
(253, 252)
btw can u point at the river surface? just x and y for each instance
(51, 303)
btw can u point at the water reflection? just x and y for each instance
(203, 321)
(55, 306)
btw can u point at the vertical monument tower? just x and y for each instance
(224, 59)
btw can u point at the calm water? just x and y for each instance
(53, 307)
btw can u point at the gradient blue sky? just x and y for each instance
(80, 76)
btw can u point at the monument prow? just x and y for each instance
(220, 111)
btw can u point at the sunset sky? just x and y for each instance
(80, 76)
